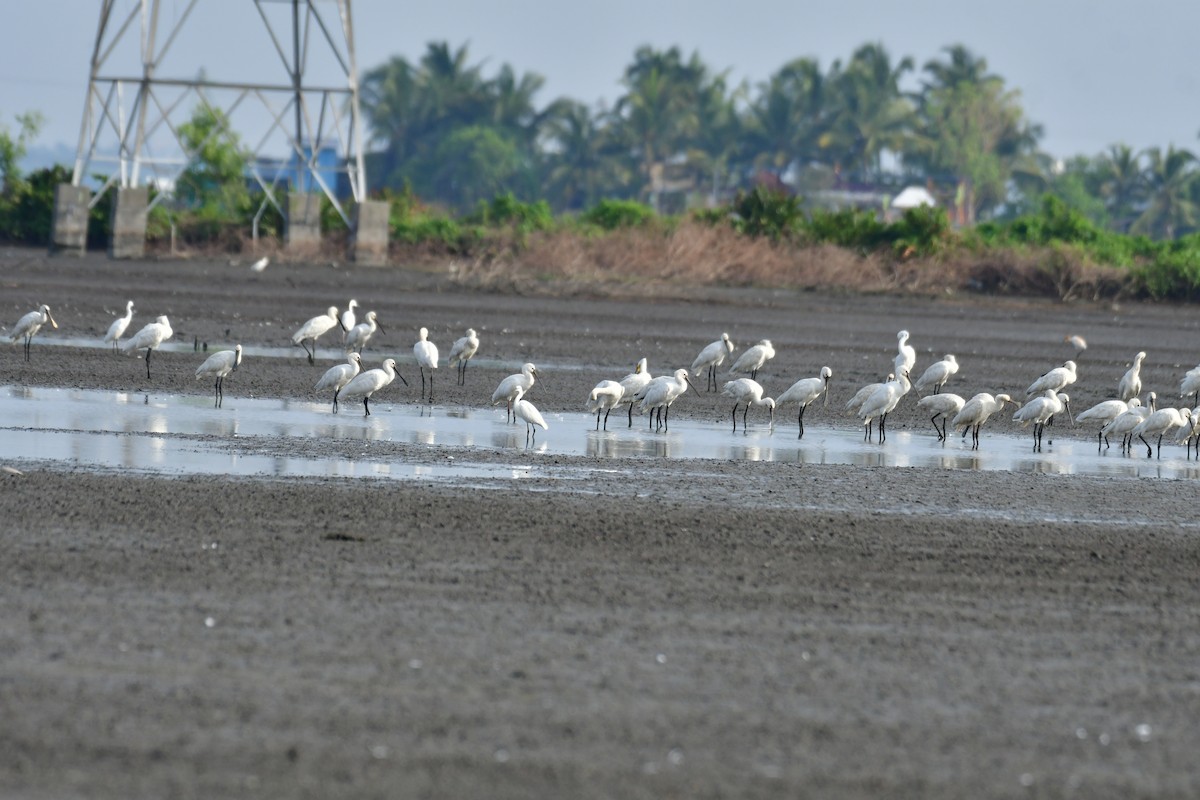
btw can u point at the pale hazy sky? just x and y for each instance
(1092, 73)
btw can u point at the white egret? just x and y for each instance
(1055, 380)
(806, 391)
(365, 384)
(937, 373)
(260, 265)
(752, 360)
(349, 319)
(881, 402)
(747, 392)
(1159, 423)
(314, 329)
(975, 412)
(1130, 384)
(633, 383)
(462, 351)
(358, 336)
(1039, 411)
(426, 353)
(904, 351)
(711, 357)
(338, 376)
(1105, 412)
(150, 337)
(941, 405)
(30, 324)
(527, 412)
(220, 365)
(660, 393)
(119, 326)
(605, 396)
(860, 397)
(507, 390)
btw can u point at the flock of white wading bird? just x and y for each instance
(1125, 414)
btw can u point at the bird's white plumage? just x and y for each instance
(1055, 380)
(713, 355)
(514, 385)
(976, 411)
(260, 265)
(748, 392)
(528, 413)
(945, 404)
(1130, 384)
(752, 360)
(635, 381)
(339, 375)
(663, 391)
(463, 349)
(858, 398)
(1041, 408)
(317, 326)
(31, 323)
(150, 336)
(360, 334)
(884, 399)
(365, 384)
(806, 390)
(937, 373)
(425, 351)
(349, 319)
(1162, 421)
(605, 396)
(1106, 411)
(1190, 383)
(220, 364)
(119, 325)
(906, 356)
(1076, 341)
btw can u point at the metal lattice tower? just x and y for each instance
(149, 74)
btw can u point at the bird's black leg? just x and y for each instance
(733, 414)
(800, 422)
(1159, 445)
(933, 420)
(1149, 449)
(630, 414)
(367, 406)
(431, 386)
(745, 411)
(335, 400)
(597, 419)
(606, 413)
(149, 350)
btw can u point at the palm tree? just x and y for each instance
(579, 160)
(1123, 185)
(789, 120)
(871, 114)
(1170, 209)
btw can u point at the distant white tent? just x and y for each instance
(913, 197)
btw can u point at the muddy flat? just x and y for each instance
(557, 623)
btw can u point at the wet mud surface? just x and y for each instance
(579, 625)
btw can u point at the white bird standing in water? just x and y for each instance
(806, 391)
(881, 403)
(30, 324)
(507, 390)
(314, 329)
(855, 402)
(1160, 423)
(349, 319)
(975, 412)
(937, 373)
(358, 336)
(1056, 379)
(338, 376)
(220, 365)
(368, 383)
(605, 396)
(941, 405)
(660, 393)
(906, 356)
(1125, 422)
(150, 337)
(753, 359)
(426, 353)
(528, 413)
(119, 326)
(1104, 413)
(633, 383)
(1191, 384)
(711, 357)
(462, 351)
(747, 392)
(1039, 410)
(1130, 384)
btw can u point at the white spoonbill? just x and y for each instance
(633, 383)
(1191, 432)
(1039, 410)
(507, 390)
(426, 353)
(975, 412)
(1130, 384)
(119, 326)
(368, 383)
(747, 392)
(660, 393)
(860, 397)
(338, 376)
(752, 360)
(944, 406)
(1159, 423)
(711, 357)
(30, 324)
(937, 373)
(1125, 422)
(1191, 384)
(1076, 341)
(349, 319)
(805, 391)
(149, 338)
(1105, 412)
(219, 365)
(358, 336)
(527, 412)
(881, 402)
(462, 351)
(605, 396)
(1055, 380)
(904, 351)
(314, 329)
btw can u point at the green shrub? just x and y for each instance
(507, 210)
(767, 212)
(613, 214)
(852, 228)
